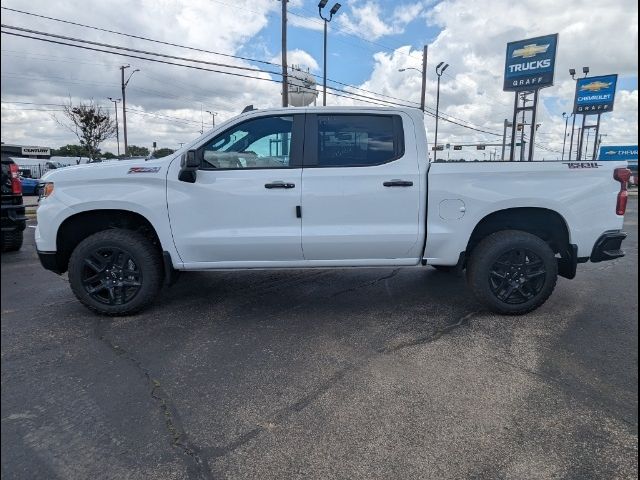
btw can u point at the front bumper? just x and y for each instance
(49, 261)
(607, 247)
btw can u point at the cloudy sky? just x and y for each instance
(370, 40)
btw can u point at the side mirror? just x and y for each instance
(189, 165)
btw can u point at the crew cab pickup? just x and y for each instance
(326, 188)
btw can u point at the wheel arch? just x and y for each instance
(547, 224)
(79, 226)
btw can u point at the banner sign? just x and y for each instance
(595, 94)
(530, 63)
(35, 151)
(620, 152)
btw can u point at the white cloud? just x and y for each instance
(473, 40)
(299, 58)
(366, 19)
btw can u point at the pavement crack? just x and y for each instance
(431, 337)
(367, 284)
(280, 415)
(198, 467)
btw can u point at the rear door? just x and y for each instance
(360, 189)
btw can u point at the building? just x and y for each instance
(25, 151)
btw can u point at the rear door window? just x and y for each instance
(358, 140)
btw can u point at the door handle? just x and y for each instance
(279, 184)
(398, 183)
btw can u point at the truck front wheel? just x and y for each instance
(512, 272)
(115, 272)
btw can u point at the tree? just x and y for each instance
(163, 152)
(89, 122)
(70, 151)
(136, 151)
(109, 155)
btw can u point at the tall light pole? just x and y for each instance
(566, 124)
(115, 106)
(572, 72)
(124, 104)
(439, 71)
(332, 12)
(285, 79)
(213, 117)
(423, 91)
(585, 70)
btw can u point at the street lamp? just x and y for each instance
(213, 117)
(439, 71)
(124, 104)
(332, 12)
(115, 106)
(572, 72)
(424, 78)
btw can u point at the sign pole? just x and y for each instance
(580, 138)
(595, 143)
(532, 135)
(513, 129)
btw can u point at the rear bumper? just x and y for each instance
(49, 261)
(607, 247)
(13, 217)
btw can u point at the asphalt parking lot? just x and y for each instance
(371, 373)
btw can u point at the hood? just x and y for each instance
(109, 170)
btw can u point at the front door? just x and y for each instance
(242, 209)
(360, 189)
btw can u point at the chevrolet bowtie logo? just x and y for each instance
(529, 51)
(595, 86)
(611, 152)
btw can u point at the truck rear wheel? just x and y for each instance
(116, 272)
(12, 241)
(512, 272)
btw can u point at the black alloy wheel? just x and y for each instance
(517, 276)
(111, 276)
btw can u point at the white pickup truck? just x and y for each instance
(326, 188)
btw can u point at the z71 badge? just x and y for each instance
(144, 170)
(582, 164)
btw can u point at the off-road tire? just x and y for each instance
(482, 276)
(143, 253)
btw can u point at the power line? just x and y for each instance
(145, 52)
(139, 37)
(352, 94)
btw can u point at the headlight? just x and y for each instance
(45, 189)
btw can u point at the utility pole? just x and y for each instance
(124, 105)
(285, 79)
(424, 76)
(115, 106)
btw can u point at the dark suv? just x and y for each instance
(13, 218)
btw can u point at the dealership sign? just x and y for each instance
(620, 152)
(530, 63)
(595, 94)
(35, 151)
